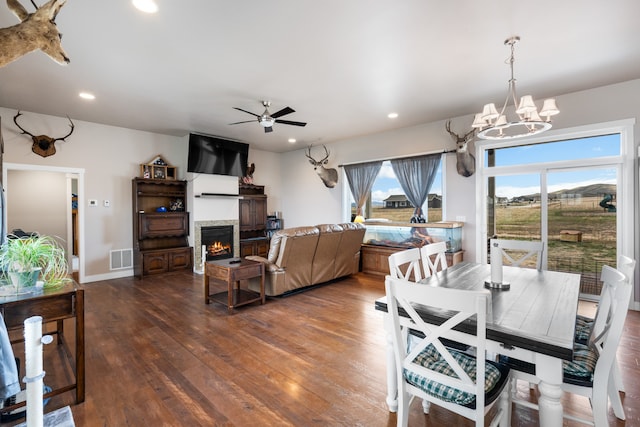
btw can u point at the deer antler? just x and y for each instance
(456, 136)
(319, 162)
(26, 132)
(43, 145)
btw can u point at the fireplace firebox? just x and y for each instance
(217, 242)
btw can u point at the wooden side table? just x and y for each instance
(53, 306)
(232, 272)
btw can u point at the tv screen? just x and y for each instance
(212, 155)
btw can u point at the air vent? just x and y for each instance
(121, 259)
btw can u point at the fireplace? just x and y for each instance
(216, 242)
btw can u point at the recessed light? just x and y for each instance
(147, 6)
(292, 140)
(87, 95)
(392, 115)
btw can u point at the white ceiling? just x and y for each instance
(343, 65)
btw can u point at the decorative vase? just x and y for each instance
(24, 282)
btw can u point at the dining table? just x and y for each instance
(532, 321)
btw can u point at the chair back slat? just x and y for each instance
(516, 252)
(433, 258)
(607, 341)
(606, 305)
(405, 265)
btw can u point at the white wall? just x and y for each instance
(37, 201)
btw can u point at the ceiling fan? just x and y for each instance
(267, 119)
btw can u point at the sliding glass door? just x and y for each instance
(565, 193)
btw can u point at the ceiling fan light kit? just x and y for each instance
(494, 125)
(267, 120)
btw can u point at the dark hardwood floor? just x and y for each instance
(156, 355)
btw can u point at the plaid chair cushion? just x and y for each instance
(431, 359)
(580, 370)
(583, 329)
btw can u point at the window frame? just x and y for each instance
(627, 240)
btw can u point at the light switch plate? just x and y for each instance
(93, 202)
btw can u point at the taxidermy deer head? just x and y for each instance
(43, 145)
(465, 162)
(328, 176)
(36, 31)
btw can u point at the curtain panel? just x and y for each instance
(361, 177)
(416, 176)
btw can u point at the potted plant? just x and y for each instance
(27, 258)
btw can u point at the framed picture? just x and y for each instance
(159, 173)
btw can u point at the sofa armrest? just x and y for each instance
(268, 266)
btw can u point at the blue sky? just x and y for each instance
(609, 145)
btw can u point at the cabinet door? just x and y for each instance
(180, 259)
(260, 213)
(247, 249)
(155, 262)
(263, 248)
(163, 225)
(246, 214)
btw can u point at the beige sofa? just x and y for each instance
(305, 256)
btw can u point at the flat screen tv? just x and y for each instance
(212, 155)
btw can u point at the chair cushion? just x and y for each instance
(583, 329)
(495, 377)
(580, 370)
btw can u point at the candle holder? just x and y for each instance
(495, 281)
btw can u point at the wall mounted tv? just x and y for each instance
(212, 155)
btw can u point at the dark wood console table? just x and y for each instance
(53, 306)
(231, 272)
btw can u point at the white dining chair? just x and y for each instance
(436, 373)
(590, 373)
(589, 328)
(433, 258)
(516, 252)
(406, 265)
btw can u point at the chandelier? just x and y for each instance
(495, 125)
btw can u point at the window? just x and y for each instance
(573, 193)
(388, 201)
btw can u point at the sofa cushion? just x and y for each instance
(348, 257)
(324, 260)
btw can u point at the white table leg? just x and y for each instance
(549, 370)
(392, 386)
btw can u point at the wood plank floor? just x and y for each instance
(156, 355)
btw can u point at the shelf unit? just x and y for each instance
(160, 238)
(253, 221)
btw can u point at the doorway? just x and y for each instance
(41, 199)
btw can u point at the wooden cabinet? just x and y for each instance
(253, 213)
(258, 247)
(253, 221)
(375, 259)
(160, 227)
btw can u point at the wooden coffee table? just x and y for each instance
(231, 272)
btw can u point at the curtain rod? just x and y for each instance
(399, 157)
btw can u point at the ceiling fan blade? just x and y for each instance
(283, 112)
(246, 121)
(248, 112)
(289, 122)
